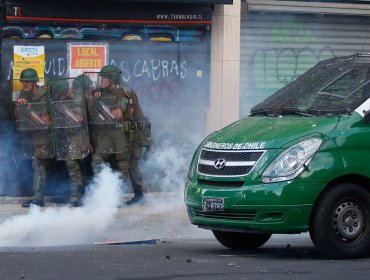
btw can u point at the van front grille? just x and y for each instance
(227, 163)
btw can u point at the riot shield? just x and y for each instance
(109, 134)
(34, 129)
(100, 111)
(68, 110)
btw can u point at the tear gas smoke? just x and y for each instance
(178, 126)
(8, 160)
(66, 225)
(162, 216)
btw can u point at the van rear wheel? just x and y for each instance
(340, 224)
(241, 240)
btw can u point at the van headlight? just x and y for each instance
(290, 163)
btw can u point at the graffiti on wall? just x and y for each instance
(143, 33)
(270, 69)
(274, 68)
(153, 69)
(155, 79)
(285, 48)
(171, 82)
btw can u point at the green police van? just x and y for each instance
(299, 162)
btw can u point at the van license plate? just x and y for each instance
(212, 204)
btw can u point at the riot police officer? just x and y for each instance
(113, 108)
(70, 129)
(142, 139)
(35, 95)
(81, 86)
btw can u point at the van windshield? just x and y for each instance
(333, 87)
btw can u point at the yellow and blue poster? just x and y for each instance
(28, 57)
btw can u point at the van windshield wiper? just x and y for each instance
(281, 106)
(295, 111)
(266, 112)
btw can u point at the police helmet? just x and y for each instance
(29, 75)
(82, 82)
(58, 87)
(112, 72)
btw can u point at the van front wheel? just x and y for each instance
(340, 222)
(241, 240)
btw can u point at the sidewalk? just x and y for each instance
(163, 216)
(6, 199)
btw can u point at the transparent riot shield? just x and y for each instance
(101, 103)
(100, 113)
(34, 129)
(68, 110)
(107, 129)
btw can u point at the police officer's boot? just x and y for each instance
(138, 199)
(137, 184)
(39, 178)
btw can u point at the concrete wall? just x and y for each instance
(225, 66)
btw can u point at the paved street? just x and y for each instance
(167, 247)
(162, 217)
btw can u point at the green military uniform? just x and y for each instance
(41, 146)
(73, 166)
(135, 172)
(111, 140)
(117, 140)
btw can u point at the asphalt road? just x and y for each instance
(178, 258)
(180, 250)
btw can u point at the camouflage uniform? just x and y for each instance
(41, 159)
(135, 172)
(111, 141)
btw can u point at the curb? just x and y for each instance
(5, 199)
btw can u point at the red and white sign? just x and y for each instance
(86, 57)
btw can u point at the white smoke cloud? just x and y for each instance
(8, 163)
(66, 225)
(162, 216)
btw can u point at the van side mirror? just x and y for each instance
(367, 116)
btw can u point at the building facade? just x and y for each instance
(162, 47)
(196, 65)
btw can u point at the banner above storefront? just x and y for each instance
(108, 13)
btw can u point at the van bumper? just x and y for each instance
(283, 207)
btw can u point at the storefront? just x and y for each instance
(161, 47)
(282, 39)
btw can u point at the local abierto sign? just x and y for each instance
(86, 57)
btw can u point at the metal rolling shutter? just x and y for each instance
(275, 48)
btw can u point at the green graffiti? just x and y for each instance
(271, 69)
(292, 31)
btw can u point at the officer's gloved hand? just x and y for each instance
(146, 154)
